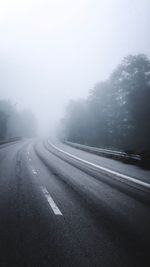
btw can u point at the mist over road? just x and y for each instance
(58, 210)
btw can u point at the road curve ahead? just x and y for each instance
(56, 210)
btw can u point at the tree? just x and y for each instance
(3, 125)
(131, 86)
(14, 123)
(6, 109)
(76, 121)
(116, 112)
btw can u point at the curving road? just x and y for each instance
(67, 208)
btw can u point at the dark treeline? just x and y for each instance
(116, 114)
(14, 123)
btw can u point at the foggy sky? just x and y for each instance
(54, 50)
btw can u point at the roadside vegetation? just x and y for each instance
(15, 123)
(116, 113)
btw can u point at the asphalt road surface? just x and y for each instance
(71, 211)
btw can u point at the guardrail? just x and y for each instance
(10, 140)
(119, 155)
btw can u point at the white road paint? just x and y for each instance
(34, 171)
(117, 174)
(51, 201)
(32, 168)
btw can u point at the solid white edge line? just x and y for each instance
(126, 177)
(51, 201)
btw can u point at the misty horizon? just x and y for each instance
(54, 51)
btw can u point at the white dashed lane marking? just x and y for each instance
(34, 171)
(51, 201)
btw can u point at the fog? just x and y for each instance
(54, 50)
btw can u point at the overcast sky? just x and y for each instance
(54, 50)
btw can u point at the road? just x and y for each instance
(57, 210)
